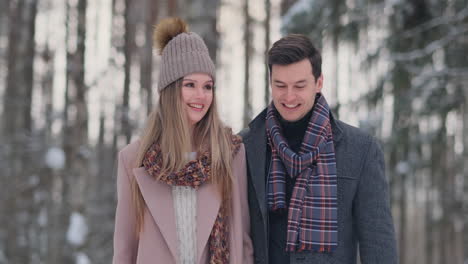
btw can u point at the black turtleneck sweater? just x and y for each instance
(293, 132)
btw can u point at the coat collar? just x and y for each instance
(159, 201)
(257, 125)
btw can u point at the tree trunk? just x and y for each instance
(172, 8)
(399, 150)
(17, 128)
(146, 68)
(21, 49)
(335, 35)
(403, 218)
(4, 7)
(429, 208)
(117, 38)
(442, 186)
(334, 91)
(128, 52)
(266, 26)
(453, 216)
(247, 54)
(45, 189)
(59, 250)
(457, 61)
(465, 172)
(76, 136)
(285, 5)
(206, 25)
(47, 92)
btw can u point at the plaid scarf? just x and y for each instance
(312, 212)
(194, 174)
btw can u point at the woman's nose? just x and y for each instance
(199, 92)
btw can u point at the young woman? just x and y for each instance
(182, 194)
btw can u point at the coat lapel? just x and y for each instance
(158, 198)
(337, 130)
(255, 145)
(208, 204)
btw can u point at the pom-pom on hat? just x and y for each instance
(182, 52)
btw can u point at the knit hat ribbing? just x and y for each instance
(182, 53)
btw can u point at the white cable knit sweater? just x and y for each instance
(185, 208)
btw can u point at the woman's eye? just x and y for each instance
(208, 87)
(189, 85)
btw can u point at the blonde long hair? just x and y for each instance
(167, 125)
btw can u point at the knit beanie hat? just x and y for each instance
(182, 52)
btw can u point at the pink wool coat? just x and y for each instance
(157, 243)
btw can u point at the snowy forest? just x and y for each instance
(77, 80)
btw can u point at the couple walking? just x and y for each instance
(296, 186)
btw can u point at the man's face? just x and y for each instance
(293, 88)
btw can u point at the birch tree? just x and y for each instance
(17, 129)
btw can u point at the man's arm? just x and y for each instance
(373, 216)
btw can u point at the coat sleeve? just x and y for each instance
(377, 243)
(247, 242)
(125, 237)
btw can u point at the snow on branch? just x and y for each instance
(431, 47)
(442, 20)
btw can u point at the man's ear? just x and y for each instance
(319, 84)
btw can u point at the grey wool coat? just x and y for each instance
(364, 216)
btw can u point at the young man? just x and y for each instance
(317, 189)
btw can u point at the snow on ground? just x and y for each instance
(55, 158)
(77, 230)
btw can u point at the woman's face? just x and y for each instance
(197, 96)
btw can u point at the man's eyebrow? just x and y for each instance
(298, 82)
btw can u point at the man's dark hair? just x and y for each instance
(294, 48)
